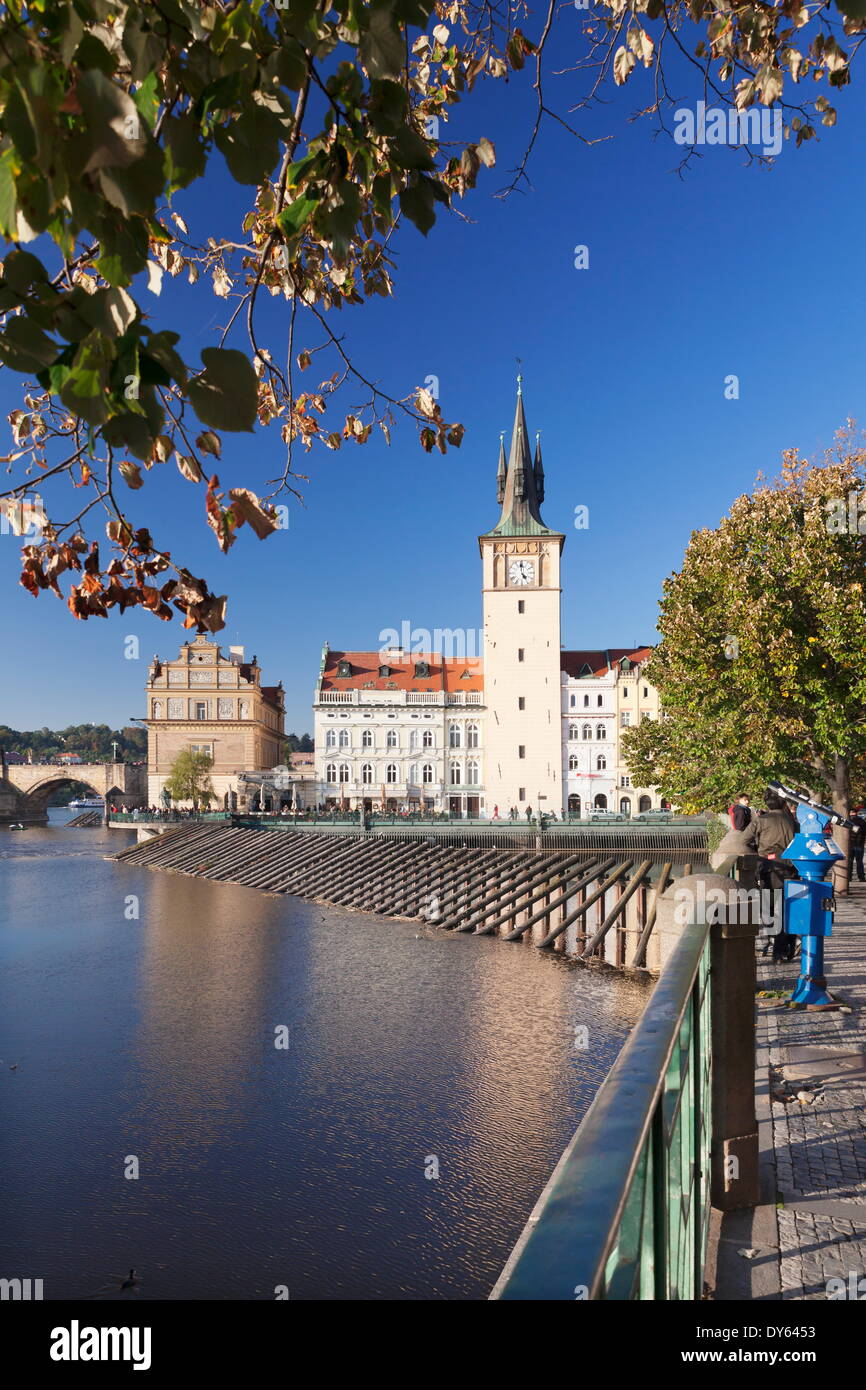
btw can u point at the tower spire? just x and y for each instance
(518, 479)
(538, 469)
(501, 470)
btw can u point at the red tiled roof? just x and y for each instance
(572, 663)
(446, 673)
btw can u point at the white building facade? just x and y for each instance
(529, 726)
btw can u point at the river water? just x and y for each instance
(148, 1042)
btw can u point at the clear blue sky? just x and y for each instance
(732, 269)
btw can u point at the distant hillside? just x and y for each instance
(92, 742)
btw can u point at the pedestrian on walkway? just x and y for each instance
(740, 813)
(858, 841)
(529, 813)
(774, 831)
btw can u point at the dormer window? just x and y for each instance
(586, 669)
(625, 664)
(422, 670)
(344, 669)
(384, 670)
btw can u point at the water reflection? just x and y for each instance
(154, 1038)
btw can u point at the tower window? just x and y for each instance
(519, 653)
(521, 793)
(521, 606)
(521, 702)
(521, 750)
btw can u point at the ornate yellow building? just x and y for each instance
(217, 704)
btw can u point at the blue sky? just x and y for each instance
(731, 269)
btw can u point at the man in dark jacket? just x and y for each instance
(775, 829)
(741, 813)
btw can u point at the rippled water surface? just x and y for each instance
(154, 1038)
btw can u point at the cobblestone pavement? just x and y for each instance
(814, 1065)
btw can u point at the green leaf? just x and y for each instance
(24, 347)
(251, 144)
(8, 196)
(417, 203)
(382, 50)
(225, 395)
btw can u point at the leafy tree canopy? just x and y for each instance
(762, 664)
(92, 742)
(334, 115)
(189, 779)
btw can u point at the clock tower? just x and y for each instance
(521, 601)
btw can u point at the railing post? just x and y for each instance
(735, 1180)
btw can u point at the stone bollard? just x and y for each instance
(733, 979)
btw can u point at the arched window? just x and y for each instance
(599, 731)
(428, 738)
(572, 763)
(573, 701)
(344, 738)
(392, 741)
(586, 702)
(413, 738)
(331, 772)
(600, 763)
(600, 701)
(600, 801)
(472, 774)
(456, 775)
(574, 805)
(367, 738)
(645, 803)
(391, 773)
(587, 731)
(331, 738)
(572, 731)
(454, 740)
(472, 736)
(367, 774)
(344, 772)
(624, 806)
(427, 774)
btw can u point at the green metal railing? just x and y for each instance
(626, 1213)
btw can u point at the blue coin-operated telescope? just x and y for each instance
(808, 900)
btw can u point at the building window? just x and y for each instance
(600, 763)
(624, 719)
(521, 606)
(586, 702)
(572, 763)
(428, 738)
(472, 774)
(392, 740)
(646, 697)
(422, 670)
(573, 701)
(599, 731)
(586, 732)
(331, 772)
(519, 653)
(344, 738)
(625, 806)
(455, 775)
(367, 774)
(344, 669)
(454, 740)
(391, 773)
(521, 750)
(427, 774)
(200, 709)
(367, 738)
(521, 793)
(572, 731)
(600, 701)
(472, 736)
(344, 772)
(625, 781)
(331, 738)
(645, 804)
(384, 670)
(521, 702)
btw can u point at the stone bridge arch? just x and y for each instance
(27, 787)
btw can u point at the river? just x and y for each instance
(139, 1013)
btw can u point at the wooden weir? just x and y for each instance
(517, 883)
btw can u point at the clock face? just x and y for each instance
(521, 571)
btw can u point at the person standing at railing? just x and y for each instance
(774, 830)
